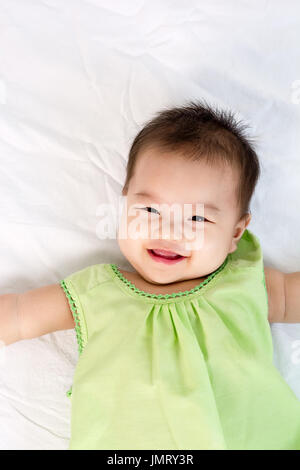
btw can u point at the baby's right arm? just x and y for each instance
(34, 313)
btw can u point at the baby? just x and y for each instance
(177, 353)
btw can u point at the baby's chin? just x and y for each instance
(159, 279)
(160, 274)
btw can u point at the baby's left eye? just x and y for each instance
(200, 216)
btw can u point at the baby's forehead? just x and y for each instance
(186, 181)
(157, 161)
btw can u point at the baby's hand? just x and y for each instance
(34, 313)
(283, 296)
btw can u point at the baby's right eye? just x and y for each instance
(151, 209)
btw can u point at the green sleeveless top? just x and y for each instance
(188, 370)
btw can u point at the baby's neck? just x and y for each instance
(153, 288)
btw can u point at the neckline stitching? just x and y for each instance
(135, 291)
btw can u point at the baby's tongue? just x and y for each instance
(166, 254)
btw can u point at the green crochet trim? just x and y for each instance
(167, 296)
(75, 315)
(77, 323)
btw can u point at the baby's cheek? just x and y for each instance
(194, 242)
(129, 247)
(137, 228)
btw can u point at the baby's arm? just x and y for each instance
(283, 296)
(34, 313)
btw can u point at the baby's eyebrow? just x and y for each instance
(208, 205)
(212, 207)
(143, 194)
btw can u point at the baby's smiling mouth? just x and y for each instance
(165, 256)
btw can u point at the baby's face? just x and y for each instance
(161, 180)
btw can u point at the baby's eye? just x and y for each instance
(197, 216)
(200, 217)
(151, 209)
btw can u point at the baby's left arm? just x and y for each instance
(283, 296)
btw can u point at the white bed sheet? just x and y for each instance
(77, 81)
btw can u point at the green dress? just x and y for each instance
(188, 370)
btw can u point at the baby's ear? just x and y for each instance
(247, 217)
(239, 229)
(243, 223)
